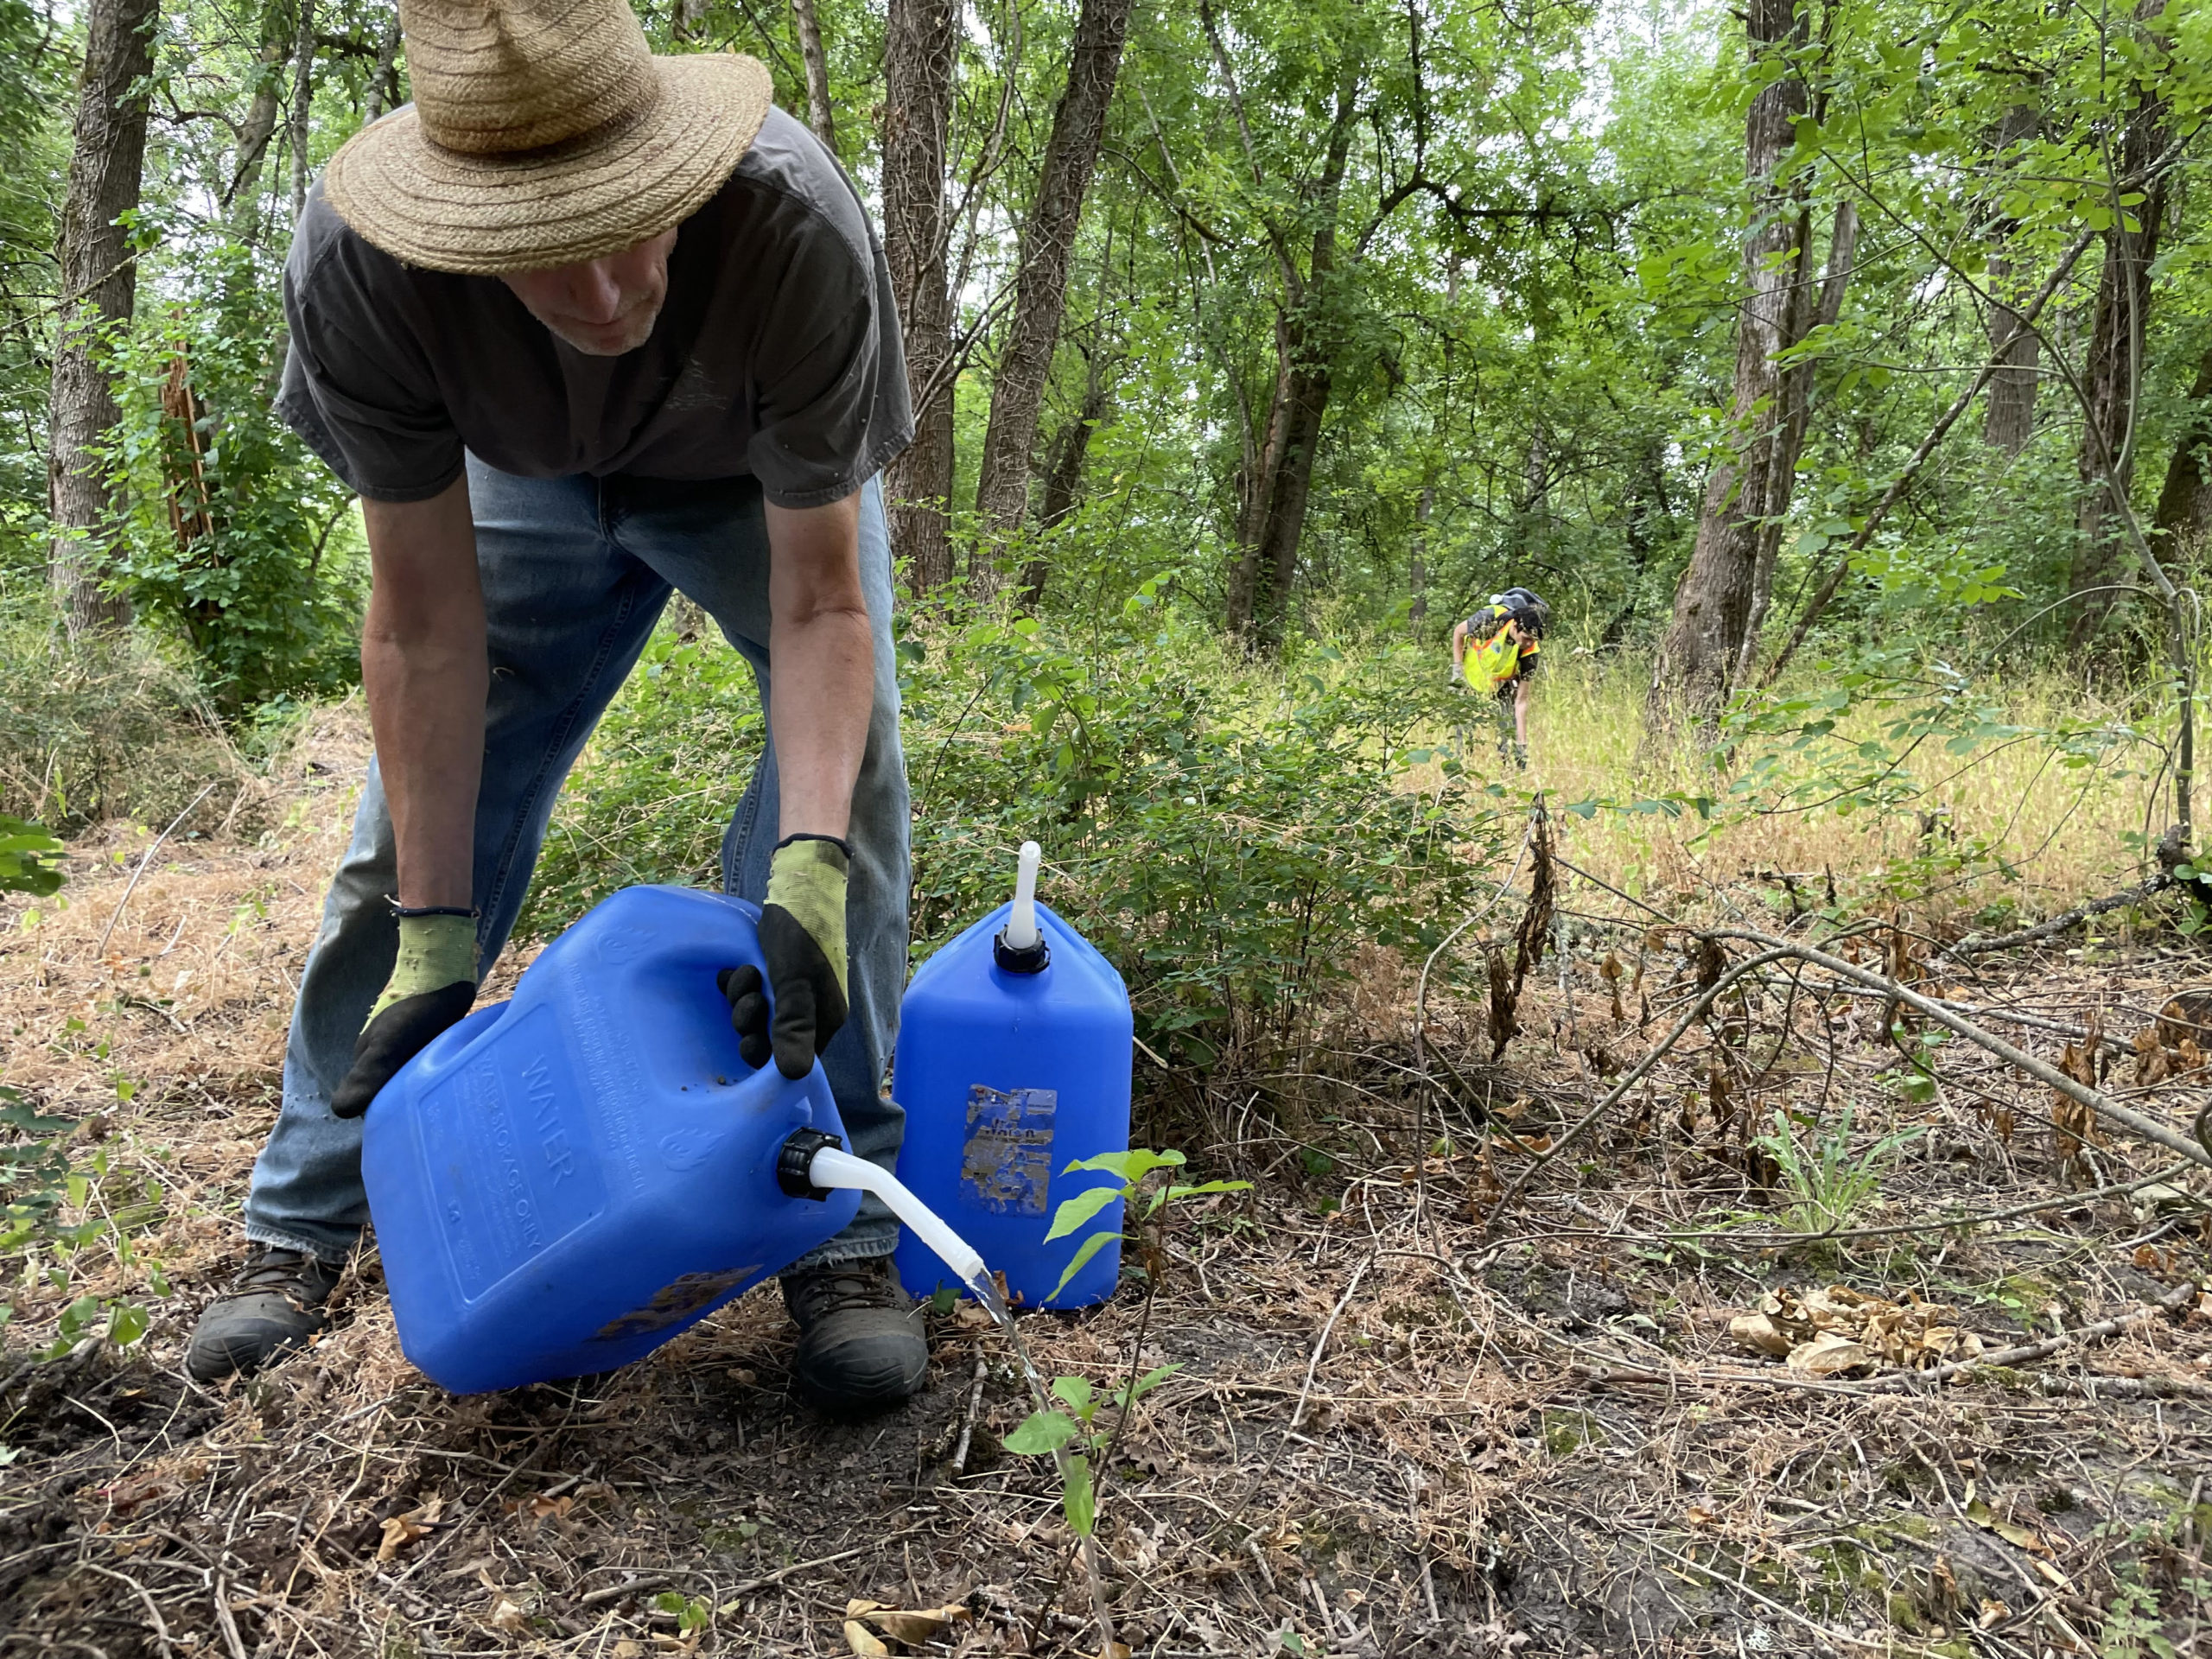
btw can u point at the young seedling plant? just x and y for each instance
(1070, 1433)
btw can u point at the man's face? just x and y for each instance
(601, 307)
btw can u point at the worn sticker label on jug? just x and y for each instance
(1006, 1165)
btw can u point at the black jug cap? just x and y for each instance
(1031, 958)
(795, 1163)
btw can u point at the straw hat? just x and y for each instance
(542, 132)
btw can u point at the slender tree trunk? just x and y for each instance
(921, 41)
(99, 286)
(2184, 513)
(1417, 564)
(2009, 410)
(302, 106)
(1274, 494)
(1283, 527)
(2009, 415)
(2111, 377)
(279, 39)
(1713, 605)
(384, 82)
(1806, 314)
(1047, 243)
(818, 72)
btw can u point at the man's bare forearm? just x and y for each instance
(426, 672)
(822, 654)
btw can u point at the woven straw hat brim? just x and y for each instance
(485, 215)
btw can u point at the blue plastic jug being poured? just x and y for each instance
(563, 1182)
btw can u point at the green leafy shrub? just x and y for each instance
(1227, 836)
(27, 858)
(236, 537)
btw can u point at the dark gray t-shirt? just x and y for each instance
(777, 354)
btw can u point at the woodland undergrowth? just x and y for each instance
(1636, 1258)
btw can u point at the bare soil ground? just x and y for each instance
(1406, 1421)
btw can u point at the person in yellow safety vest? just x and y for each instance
(1495, 651)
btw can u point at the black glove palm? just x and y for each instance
(395, 1037)
(432, 987)
(793, 1011)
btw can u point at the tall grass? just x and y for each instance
(2048, 806)
(99, 729)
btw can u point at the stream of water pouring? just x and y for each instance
(832, 1166)
(987, 1292)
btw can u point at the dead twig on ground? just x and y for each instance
(99, 951)
(2173, 1302)
(2136, 1123)
(968, 1419)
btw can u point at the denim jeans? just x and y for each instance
(575, 571)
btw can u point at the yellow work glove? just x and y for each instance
(795, 1009)
(432, 987)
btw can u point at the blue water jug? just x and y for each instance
(563, 1182)
(1014, 1043)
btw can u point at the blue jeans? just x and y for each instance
(575, 571)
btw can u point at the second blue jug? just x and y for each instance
(563, 1182)
(1015, 1045)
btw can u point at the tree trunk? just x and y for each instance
(1713, 605)
(2009, 417)
(2009, 413)
(99, 286)
(1047, 242)
(921, 38)
(2184, 513)
(1805, 314)
(302, 106)
(1065, 479)
(818, 74)
(1282, 524)
(2111, 377)
(279, 38)
(1274, 487)
(384, 82)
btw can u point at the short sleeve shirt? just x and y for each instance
(776, 355)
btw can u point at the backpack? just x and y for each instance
(1514, 600)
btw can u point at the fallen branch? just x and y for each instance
(2171, 1303)
(99, 952)
(968, 1419)
(1314, 1364)
(2136, 1123)
(2059, 924)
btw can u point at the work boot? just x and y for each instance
(861, 1342)
(274, 1303)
